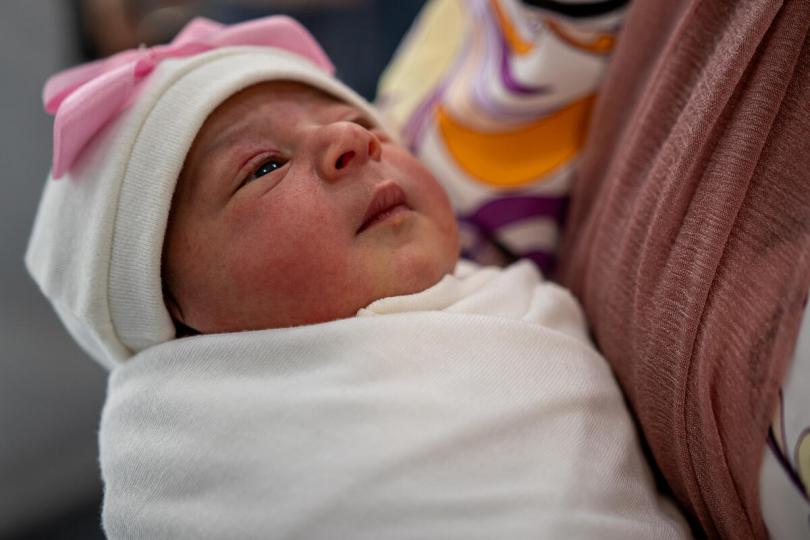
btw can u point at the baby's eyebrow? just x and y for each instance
(220, 145)
(223, 141)
(229, 135)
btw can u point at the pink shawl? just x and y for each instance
(688, 240)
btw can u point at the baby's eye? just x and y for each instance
(267, 167)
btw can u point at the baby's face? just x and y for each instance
(292, 210)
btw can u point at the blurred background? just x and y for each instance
(51, 394)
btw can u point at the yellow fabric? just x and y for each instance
(424, 58)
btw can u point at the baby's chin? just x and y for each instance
(419, 276)
(416, 278)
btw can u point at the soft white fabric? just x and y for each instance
(476, 409)
(96, 246)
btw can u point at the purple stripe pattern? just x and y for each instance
(486, 222)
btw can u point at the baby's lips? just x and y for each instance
(387, 195)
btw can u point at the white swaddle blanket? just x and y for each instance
(475, 409)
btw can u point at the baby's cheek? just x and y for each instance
(440, 208)
(288, 266)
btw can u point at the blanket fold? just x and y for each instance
(410, 424)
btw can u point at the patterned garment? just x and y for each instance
(785, 474)
(494, 96)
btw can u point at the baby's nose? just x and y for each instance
(348, 146)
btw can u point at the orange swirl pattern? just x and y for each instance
(519, 156)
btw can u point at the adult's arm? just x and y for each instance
(688, 240)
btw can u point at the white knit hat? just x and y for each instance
(95, 250)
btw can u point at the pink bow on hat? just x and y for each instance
(86, 97)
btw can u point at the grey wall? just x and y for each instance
(50, 392)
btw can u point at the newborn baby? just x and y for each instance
(294, 208)
(338, 373)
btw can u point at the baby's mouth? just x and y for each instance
(388, 200)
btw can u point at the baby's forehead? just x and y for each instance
(281, 98)
(274, 92)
